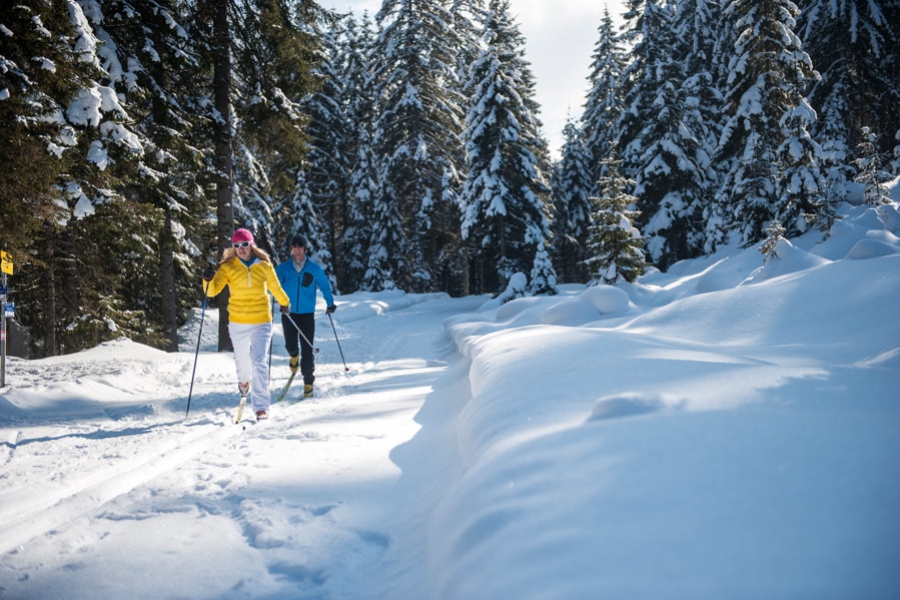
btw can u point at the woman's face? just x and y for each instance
(245, 252)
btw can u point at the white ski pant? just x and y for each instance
(251, 347)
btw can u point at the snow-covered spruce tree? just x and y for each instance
(615, 245)
(646, 28)
(149, 60)
(385, 234)
(855, 45)
(669, 155)
(603, 106)
(572, 187)
(417, 135)
(38, 142)
(327, 176)
(504, 201)
(69, 150)
(869, 170)
(543, 275)
(352, 257)
(765, 138)
(774, 234)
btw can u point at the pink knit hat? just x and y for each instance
(242, 235)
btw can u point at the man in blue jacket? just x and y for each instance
(300, 277)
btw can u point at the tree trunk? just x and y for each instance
(224, 159)
(50, 324)
(167, 285)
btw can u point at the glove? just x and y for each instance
(286, 309)
(208, 273)
(331, 309)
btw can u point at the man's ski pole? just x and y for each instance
(197, 352)
(294, 323)
(338, 342)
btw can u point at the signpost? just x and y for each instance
(6, 266)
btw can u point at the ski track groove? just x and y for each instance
(56, 509)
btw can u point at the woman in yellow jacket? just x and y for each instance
(250, 277)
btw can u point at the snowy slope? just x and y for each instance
(729, 429)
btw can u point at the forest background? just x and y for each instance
(135, 136)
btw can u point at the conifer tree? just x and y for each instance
(36, 139)
(363, 166)
(615, 245)
(855, 45)
(572, 187)
(504, 202)
(766, 135)
(604, 103)
(869, 170)
(329, 164)
(150, 62)
(74, 149)
(669, 156)
(417, 134)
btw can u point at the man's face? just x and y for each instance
(298, 252)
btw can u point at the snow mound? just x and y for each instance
(570, 312)
(871, 248)
(607, 299)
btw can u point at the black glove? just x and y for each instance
(208, 273)
(286, 309)
(331, 309)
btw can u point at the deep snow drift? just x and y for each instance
(729, 429)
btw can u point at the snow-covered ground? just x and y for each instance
(724, 430)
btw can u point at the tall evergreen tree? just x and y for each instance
(329, 163)
(504, 202)
(151, 63)
(603, 106)
(855, 45)
(74, 150)
(352, 262)
(766, 137)
(669, 153)
(417, 133)
(572, 185)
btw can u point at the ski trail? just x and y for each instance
(9, 447)
(35, 516)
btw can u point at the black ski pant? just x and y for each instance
(297, 345)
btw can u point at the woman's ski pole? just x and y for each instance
(197, 352)
(338, 343)
(271, 343)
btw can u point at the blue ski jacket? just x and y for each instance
(301, 287)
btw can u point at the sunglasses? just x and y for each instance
(241, 244)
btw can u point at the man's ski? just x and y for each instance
(285, 389)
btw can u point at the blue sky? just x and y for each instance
(560, 37)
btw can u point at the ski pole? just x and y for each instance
(271, 343)
(294, 323)
(338, 342)
(197, 352)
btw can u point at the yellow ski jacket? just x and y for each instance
(248, 302)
